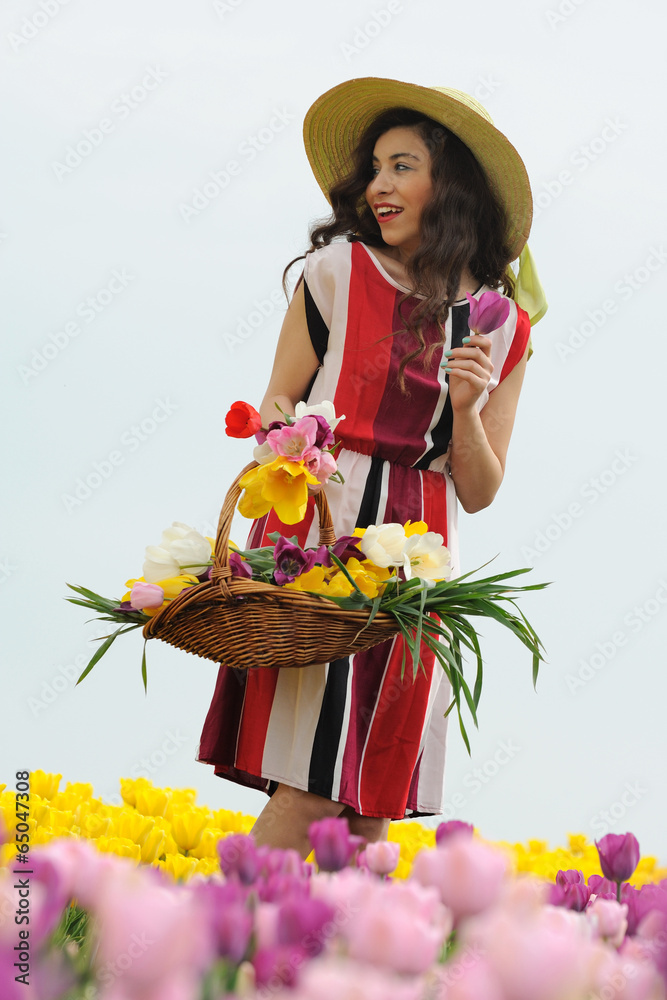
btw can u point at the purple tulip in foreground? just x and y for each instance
(619, 856)
(488, 312)
(333, 843)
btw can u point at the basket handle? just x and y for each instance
(221, 571)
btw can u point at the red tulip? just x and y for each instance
(242, 421)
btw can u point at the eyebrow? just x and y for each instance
(395, 156)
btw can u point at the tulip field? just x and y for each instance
(164, 899)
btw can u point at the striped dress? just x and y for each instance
(352, 730)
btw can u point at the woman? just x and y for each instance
(433, 203)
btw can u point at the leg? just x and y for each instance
(284, 820)
(371, 827)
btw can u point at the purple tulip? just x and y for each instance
(301, 921)
(229, 917)
(601, 886)
(570, 877)
(280, 963)
(488, 312)
(239, 567)
(333, 843)
(291, 561)
(239, 858)
(570, 895)
(454, 827)
(324, 438)
(619, 856)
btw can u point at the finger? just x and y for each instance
(480, 365)
(480, 341)
(470, 353)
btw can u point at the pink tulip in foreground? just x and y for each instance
(383, 856)
(468, 875)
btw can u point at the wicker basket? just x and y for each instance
(245, 624)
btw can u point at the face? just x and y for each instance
(400, 187)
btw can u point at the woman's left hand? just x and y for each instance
(470, 369)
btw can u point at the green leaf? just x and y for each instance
(144, 676)
(100, 653)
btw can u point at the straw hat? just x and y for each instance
(336, 121)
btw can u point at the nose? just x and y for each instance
(380, 183)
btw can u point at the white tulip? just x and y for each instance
(159, 564)
(426, 557)
(263, 453)
(324, 409)
(383, 544)
(185, 548)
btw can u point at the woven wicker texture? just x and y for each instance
(246, 624)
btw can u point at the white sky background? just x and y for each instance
(581, 92)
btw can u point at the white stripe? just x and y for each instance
(291, 729)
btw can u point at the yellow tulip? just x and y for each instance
(314, 581)
(187, 827)
(418, 528)
(95, 826)
(153, 846)
(121, 846)
(178, 866)
(281, 484)
(339, 585)
(43, 784)
(180, 798)
(129, 788)
(206, 848)
(151, 801)
(133, 826)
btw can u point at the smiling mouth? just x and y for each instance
(386, 213)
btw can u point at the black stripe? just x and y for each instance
(317, 328)
(330, 722)
(442, 432)
(370, 503)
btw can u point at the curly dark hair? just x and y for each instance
(463, 224)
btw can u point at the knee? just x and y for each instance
(371, 828)
(307, 805)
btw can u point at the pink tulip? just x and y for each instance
(337, 979)
(536, 955)
(452, 828)
(382, 857)
(487, 313)
(609, 920)
(468, 976)
(402, 928)
(146, 595)
(293, 440)
(469, 875)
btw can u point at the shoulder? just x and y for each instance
(334, 255)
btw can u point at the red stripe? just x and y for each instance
(260, 691)
(393, 743)
(519, 343)
(365, 364)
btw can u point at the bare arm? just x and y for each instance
(480, 440)
(294, 365)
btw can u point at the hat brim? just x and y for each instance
(336, 121)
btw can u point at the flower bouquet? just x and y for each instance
(283, 605)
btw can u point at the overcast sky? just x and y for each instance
(155, 185)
